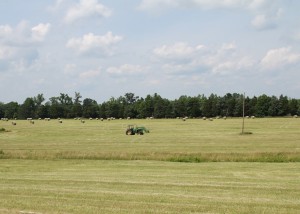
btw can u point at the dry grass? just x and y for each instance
(194, 166)
(76, 186)
(273, 140)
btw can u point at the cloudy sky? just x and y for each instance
(105, 48)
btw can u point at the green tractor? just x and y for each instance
(139, 130)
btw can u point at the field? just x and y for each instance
(192, 166)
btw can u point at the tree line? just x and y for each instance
(130, 105)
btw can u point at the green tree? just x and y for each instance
(283, 106)
(193, 107)
(90, 108)
(2, 109)
(76, 109)
(41, 110)
(159, 106)
(11, 110)
(293, 106)
(103, 110)
(149, 106)
(262, 105)
(112, 108)
(27, 109)
(39, 99)
(130, 98)
(273, 106)
(66, 104)
(56, 110)
(211, 106)
(180, 106)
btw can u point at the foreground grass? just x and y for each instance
(85, 186)
(195, 140)
(94, 167)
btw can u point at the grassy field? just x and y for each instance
(194, 166)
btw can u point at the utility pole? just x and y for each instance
(243, 125)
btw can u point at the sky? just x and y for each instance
(106, 48)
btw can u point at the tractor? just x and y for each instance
(133, 129)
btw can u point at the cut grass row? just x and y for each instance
(170, 157)
(83, 186)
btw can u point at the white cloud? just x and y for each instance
(277, 58)
(94, 43)
(40, 31)
(126, 69)
(254, 4)
(266, 12)
(58, 3)
(203, 4)
(260, 21)
(228, 47)
(233, 66)
(178, 50)
(86, 8)
(23, 34)
(90, 74)
(6, 52)
(184, 59)
(295, 36)
(70, 69)
(19, 44)
(5, 31)
(263, 21)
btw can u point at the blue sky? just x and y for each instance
(105, 48)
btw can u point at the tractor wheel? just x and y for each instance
(140, 132)
(128, 132)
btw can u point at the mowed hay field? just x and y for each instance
(192, 166)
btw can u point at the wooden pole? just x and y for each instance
(243, 125)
